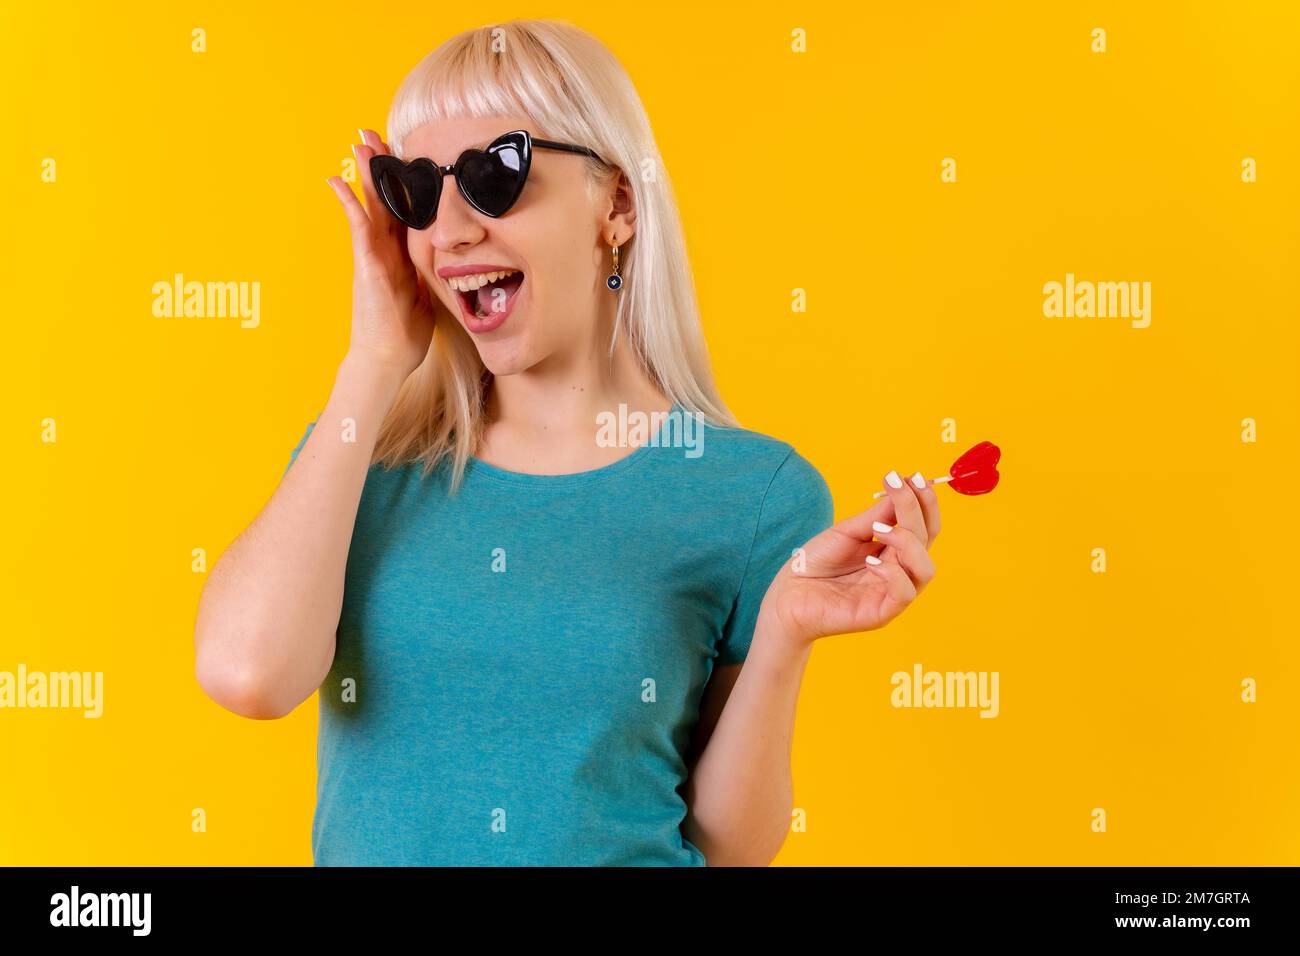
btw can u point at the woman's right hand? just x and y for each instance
(393, 310)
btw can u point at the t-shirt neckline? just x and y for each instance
(479, 467)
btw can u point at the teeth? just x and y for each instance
(470, 283)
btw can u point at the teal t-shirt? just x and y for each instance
(519, 665)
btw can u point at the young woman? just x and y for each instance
(524, 550)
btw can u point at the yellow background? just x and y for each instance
(1118, 690)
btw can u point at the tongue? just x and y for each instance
(486, 297)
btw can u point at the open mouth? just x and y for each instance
(485, 296)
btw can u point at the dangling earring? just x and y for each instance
(615, 281)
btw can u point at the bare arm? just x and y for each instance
(269, 613)
(739, 791)
(267, 618)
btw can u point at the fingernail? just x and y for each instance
(354, 151)
(918, 481)
(872, 559)
(893, 480)
(880, 527)
(361, 133)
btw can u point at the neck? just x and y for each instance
(565, 393)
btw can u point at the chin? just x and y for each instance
(508, 357)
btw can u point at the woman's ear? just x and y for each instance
(620, 216)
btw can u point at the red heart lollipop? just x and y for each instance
(976, 472)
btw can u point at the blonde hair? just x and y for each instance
(574, 90)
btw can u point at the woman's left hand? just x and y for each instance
(830, 585)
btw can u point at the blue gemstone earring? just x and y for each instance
(615, 281)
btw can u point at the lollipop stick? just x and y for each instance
(932, 481)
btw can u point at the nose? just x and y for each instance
(457, 222)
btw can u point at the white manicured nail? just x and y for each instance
(880, 527)
(872, 559)
(918, 481)
(893, 480)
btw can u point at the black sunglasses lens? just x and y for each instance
(411, 193)
(492, 180)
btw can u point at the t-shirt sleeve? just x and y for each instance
(796, 508)
(293, 455)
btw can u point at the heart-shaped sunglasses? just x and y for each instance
(490, 179)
